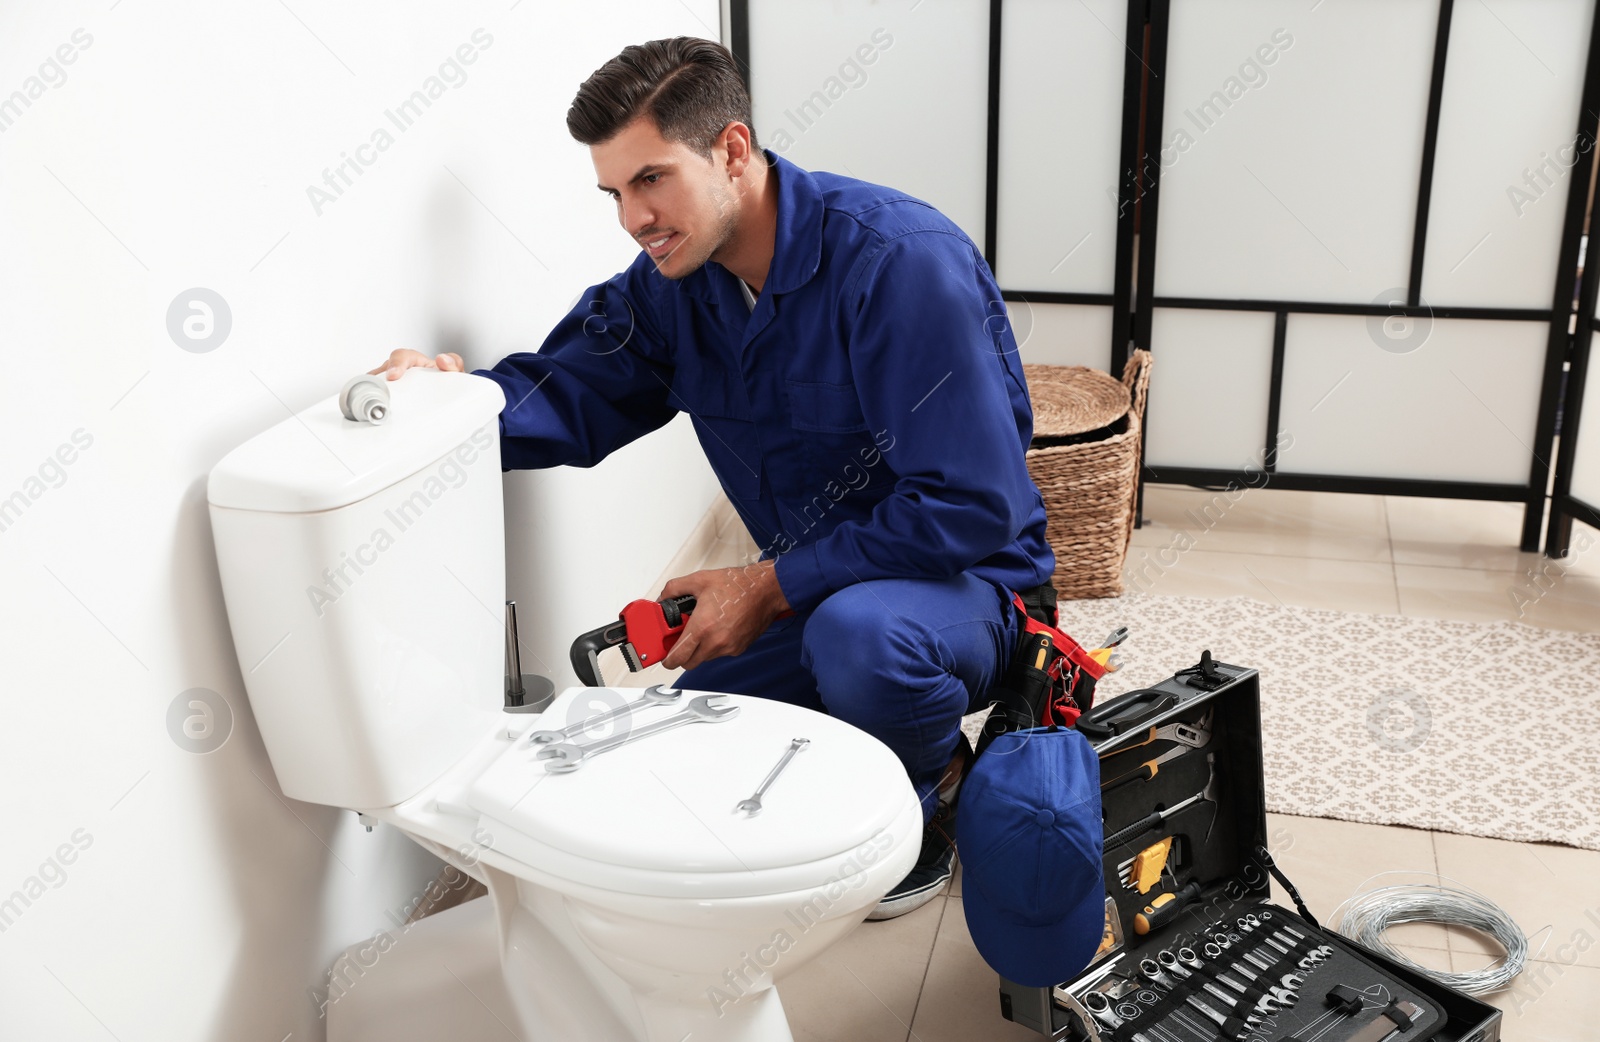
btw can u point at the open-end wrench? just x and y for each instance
(1265, 1004)
(655, 694)
(752, 806)
(1230, 1002)
(1192, 735)
(1284, 996)
(1318, 954)
(563, 757)
(1286, 948)
(1292, 981)
(1219, 1019)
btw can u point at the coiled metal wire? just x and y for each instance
(1365, 917)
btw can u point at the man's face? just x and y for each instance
(665, 191)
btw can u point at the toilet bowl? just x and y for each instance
(363, 570)
(678, 912)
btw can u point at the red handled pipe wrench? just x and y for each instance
(645, 631)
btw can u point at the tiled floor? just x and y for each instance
(919, 978)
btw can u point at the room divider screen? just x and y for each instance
(1577, 486)
(1348, 231)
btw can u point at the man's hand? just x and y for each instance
(403, 359)
(733, 606)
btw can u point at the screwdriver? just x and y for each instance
(1165, 909)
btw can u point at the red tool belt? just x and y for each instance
(1050, 679)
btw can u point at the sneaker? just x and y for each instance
(932, 871)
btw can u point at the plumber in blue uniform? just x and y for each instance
(844, 355)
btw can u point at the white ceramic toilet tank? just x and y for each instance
(363, 567)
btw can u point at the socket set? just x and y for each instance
(1193, 950)
(1264, 977)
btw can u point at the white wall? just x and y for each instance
(198, 903)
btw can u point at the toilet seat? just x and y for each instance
(657, 817)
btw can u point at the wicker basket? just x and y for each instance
(1085, 460)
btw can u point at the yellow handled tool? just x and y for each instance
(1144, 870)
(1164, 909)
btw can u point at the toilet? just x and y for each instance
(363, 568)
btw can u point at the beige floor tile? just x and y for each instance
(1548, 1002)
(1559, 600)
(866, 986)
(960, 998)
(1458, 533)
(1267, 521)
(1547, 889)
(1466, 594)
(1553, 600)
(1330, 861)
(1364, 586)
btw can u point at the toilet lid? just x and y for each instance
(666, 803)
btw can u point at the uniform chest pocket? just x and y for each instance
(826, 408)
(839, 443)
(722, 420)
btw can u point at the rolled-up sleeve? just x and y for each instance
(926, 358)
(597, 382)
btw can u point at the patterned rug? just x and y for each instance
(1487, 729)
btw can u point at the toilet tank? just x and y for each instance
(363, 568)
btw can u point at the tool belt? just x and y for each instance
(1050, 678)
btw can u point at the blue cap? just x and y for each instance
(1031, 841)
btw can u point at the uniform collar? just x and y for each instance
(797, 246)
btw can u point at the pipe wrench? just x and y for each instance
(645, 631)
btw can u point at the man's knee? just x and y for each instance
(850, 631)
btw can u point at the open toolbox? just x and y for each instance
(1194, 950)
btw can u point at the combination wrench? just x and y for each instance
(563, 757)
(752, 806)
(655, 694)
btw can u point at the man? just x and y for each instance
(843, 352)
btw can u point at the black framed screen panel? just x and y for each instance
(1290, 148)
(1342, 252)
(1577, 485)
(892, 93)
(1061, 120)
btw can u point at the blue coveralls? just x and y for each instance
(867, 420)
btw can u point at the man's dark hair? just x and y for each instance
(689, 87)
